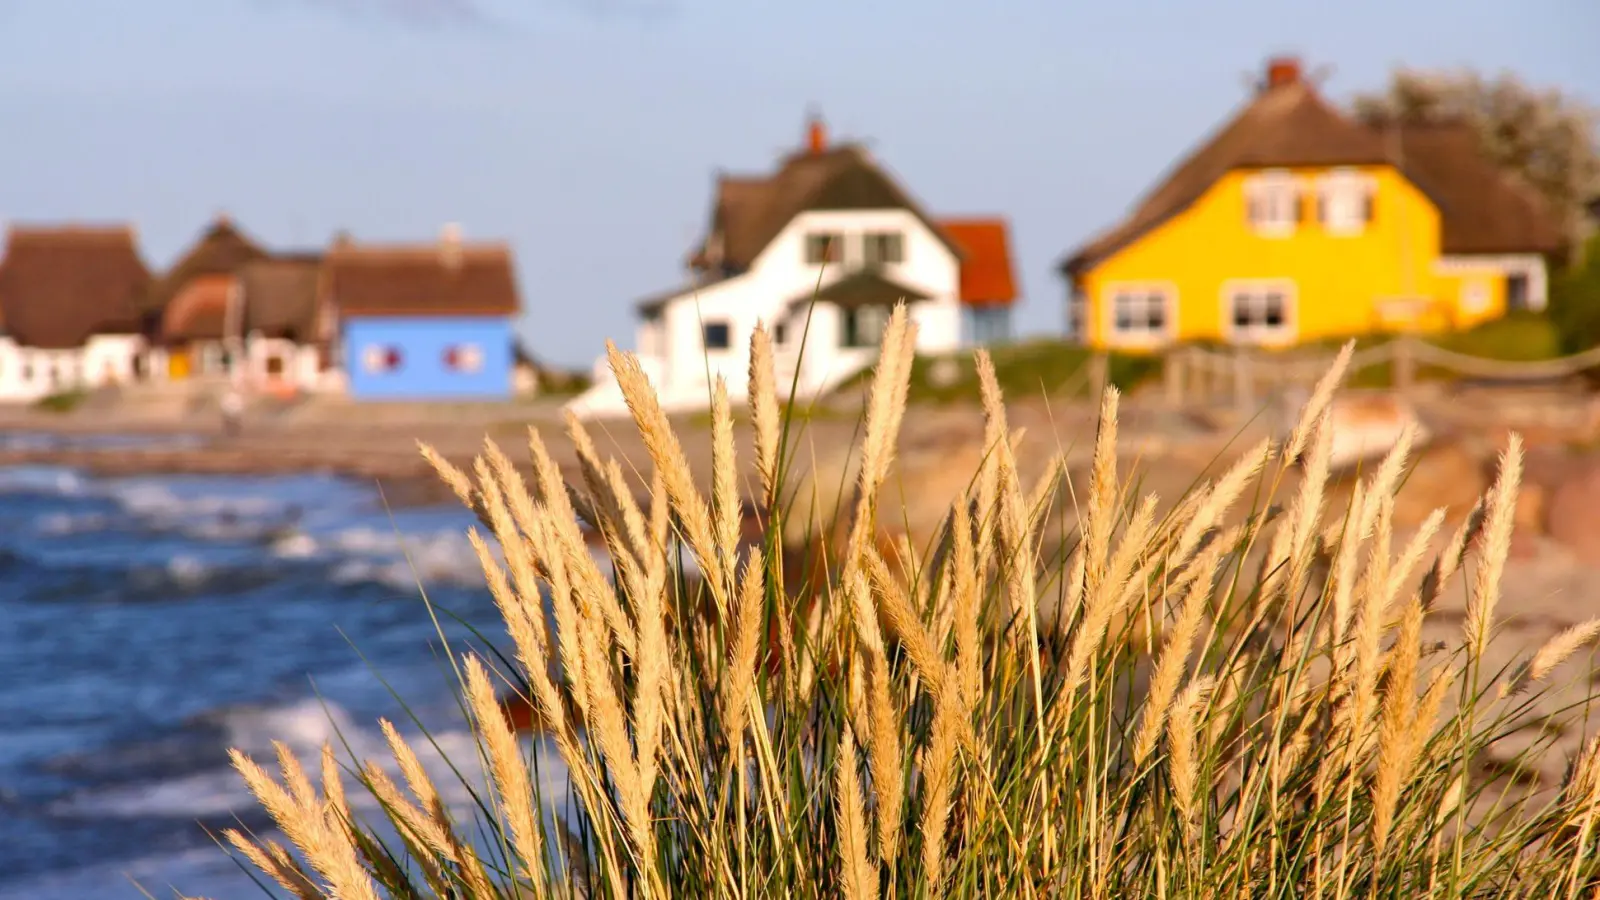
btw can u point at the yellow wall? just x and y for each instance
(1489, 281)
(1340, 280)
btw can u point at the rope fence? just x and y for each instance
(1200, 374)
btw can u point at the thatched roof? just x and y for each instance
(61, 285)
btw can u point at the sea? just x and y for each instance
(148, 624)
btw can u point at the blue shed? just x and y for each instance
(425, 323)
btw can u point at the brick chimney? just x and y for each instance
(1282, 71)
(816, 135)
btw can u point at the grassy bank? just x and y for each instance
(1235, 700)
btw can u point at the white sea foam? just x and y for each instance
(449, 755)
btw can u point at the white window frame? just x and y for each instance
(892, 243)
(1078, 315)
(707, 324)
(1342, 196)
(375, 358)
(1112, 296)
(1256, 291)
(468, 359)
(833, 250)
(1272, 203)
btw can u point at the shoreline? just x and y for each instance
(405, 479)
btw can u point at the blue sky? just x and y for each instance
(587, 132)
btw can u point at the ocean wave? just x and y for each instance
(150, 786)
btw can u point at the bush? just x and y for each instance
(62, 401)
(1575, 301)
(1144, 714)
(1518, 337)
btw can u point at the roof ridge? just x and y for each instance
(72, 230)
(380, 252)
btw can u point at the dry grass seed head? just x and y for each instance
(1317, 404)
(1555, 652)
(860, 871)
(1173, 660)
(739, 681)
(764, 415)
(667, 454)
(510, 773)
(1497, 525)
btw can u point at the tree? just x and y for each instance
(1575, 302)
(1549, 138)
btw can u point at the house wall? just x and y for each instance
(781, 274)
(110, 359)
(422, 343)
(1343, 284)
(28, 373)
(1477, 284)
(300, 366)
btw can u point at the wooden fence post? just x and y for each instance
(1243, 391)
(1404, 363)
(1172, 371)
(1099, 376)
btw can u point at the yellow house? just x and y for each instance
(1296, 223)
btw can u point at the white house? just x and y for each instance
(69, 310)
(283, 329)
(830, 226)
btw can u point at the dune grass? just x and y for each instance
(1145, 713)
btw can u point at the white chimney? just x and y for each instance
(450, 244)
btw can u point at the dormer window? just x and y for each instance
(824, 247)
(1345, 202)
(1272, 203)
(883, 247)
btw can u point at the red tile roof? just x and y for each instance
(986, 274)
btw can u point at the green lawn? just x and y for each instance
(1051, 366)
(1032, 368)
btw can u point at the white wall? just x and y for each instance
(28, 373)
(781, 274)
(1528, 264)
(109, 359)
(300, 363)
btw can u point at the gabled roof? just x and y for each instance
(655, 303)
(986, 273)
(1286, 124)
(443, 279)
(1484, 208)
(221, 250)
(61, 285)
(863, 287)
(750, 211)
(280, 296)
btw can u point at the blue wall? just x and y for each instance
(422, 344)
